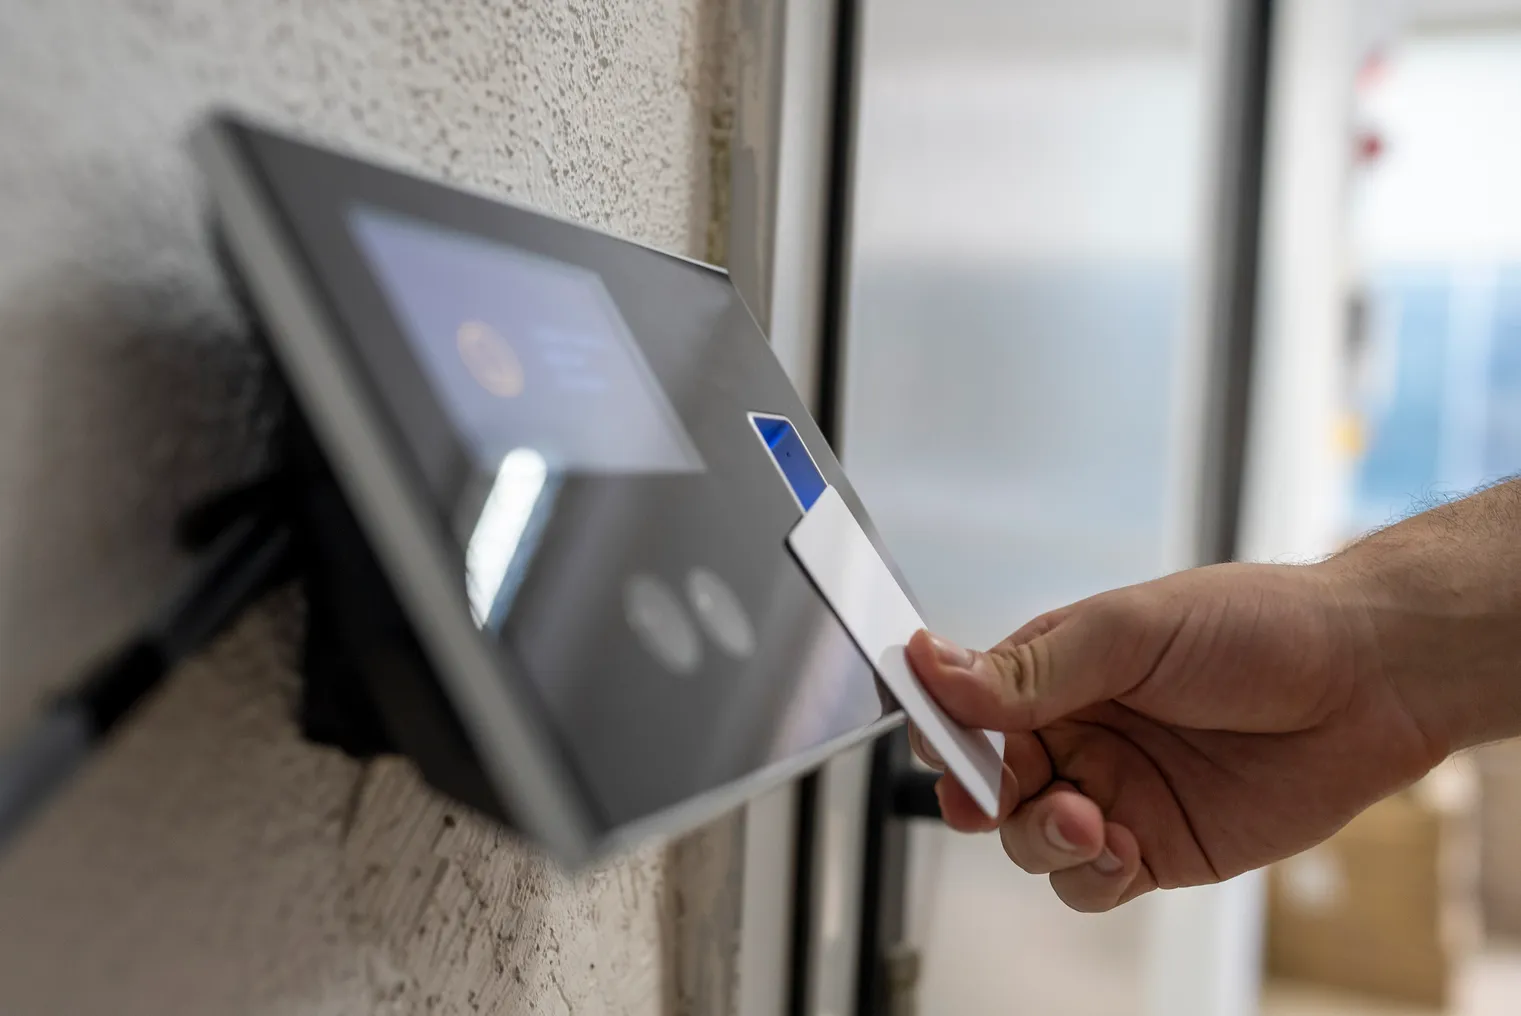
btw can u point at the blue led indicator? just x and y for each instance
(791, 456)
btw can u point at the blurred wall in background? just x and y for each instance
(1022, 353)
(1025, 223)
(1388, 382)
(1436, 229)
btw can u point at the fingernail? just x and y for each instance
(1056, 839)
(949, 653)
(931, 756)
(1108, 864)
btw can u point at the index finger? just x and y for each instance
(1026, 772)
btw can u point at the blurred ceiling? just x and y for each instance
(908, 32)
(1463, 13)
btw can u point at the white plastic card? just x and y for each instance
(837, 554)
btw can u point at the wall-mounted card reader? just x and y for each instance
(521, 445)
(791, 457)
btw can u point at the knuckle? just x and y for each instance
(1122, 617)
(1022, 671)
(1125, 625)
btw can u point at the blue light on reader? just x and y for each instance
(791, 456)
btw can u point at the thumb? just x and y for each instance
(1084, 654)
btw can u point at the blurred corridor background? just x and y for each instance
(1023, 382)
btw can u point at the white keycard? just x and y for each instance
(831, 546)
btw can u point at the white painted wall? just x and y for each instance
(210, 862)
(1446, 189)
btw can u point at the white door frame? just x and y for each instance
(782, 150)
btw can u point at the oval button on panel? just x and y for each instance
(661, 623)
(720, 613)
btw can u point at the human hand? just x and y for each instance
(1181, 731)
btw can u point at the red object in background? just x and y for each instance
(1371, 73)
(1368, 144)
(1369, 147)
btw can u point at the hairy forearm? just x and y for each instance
(1439, 602)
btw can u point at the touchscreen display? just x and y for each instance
(524, 352)
(582, 410)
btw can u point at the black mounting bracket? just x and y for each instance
(336, 708)
(368, 687)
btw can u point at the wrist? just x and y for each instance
(1437, 617)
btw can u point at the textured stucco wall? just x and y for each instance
(210, 861)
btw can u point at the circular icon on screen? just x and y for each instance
(490, 359)
(720, 613)
(661, 623)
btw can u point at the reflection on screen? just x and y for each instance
(523, 351)
(504, 534)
